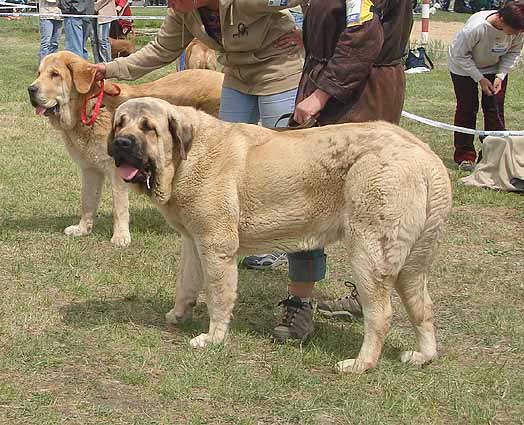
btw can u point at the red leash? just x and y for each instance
(98, 104)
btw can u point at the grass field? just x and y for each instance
(83, 338)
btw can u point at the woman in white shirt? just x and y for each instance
(482, 53)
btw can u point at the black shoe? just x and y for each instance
(296, 323)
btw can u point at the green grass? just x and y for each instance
(83, 338)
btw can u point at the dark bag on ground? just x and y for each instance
(418, 58)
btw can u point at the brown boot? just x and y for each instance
(296, 323)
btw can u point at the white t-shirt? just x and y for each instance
(480, 48)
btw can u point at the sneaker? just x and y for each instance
(346, 308)
(266, 261)
(296, 322)
(467, 166)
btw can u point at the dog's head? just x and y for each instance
(148, 139)
(59, 89)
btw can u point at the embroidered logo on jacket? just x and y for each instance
(243, 29)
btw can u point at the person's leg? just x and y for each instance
(87, 32)
(493, 107)
(46, 31)
(55, 37)
(273, 106)
(466, 92)
(269, 109)
(74, 35)
(236, 106)
(104, 47)
(305, 268)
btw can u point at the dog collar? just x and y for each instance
(98, 104)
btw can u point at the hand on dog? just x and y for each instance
(289, 39)
(100, 71)
(311, 106)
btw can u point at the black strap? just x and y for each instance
(311, 122)
(428, 59)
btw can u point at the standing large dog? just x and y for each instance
(64, 81)
(373, 186)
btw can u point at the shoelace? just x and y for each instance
(351, 285)
(291, 303)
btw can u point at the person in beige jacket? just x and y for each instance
(258, 45)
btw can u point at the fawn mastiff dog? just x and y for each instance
(373, 186)
(199, 56)
(64, 82)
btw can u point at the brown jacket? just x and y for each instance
(363, 71)
(397, 20)
(339, 60)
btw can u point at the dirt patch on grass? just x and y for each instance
(441, 31)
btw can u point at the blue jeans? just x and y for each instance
(240, 107)
(103, 52)
(236, 106)
(50, 30)
(77, 30)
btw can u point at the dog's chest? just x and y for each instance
(85, 152)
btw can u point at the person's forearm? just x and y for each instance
(168, 45)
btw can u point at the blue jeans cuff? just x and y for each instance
(307, 266)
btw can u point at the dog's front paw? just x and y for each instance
(175, 317)
(415, 358)
(201, 341)
(352, 366)
(121, 239)
(78, 230)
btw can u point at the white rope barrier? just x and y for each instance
(465, 130)
(59, 16)
(15, 6)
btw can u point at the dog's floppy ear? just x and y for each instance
(82, 71)
(110, 138)
(182, 133)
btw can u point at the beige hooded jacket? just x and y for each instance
(249, 27)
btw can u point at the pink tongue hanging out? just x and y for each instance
(127, 172)
(40, 110)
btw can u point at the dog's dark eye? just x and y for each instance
(147, 125)
(54, 74)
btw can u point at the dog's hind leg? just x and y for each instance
(189, 282)
(412, 288)
(221, 278)
(92, 183)
(121, 236)
(375, 297)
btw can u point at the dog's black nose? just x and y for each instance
(123, 143)
(33, 90)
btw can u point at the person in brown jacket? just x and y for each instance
(353, 72)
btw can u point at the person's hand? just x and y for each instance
(311, 106)
(289, 39)
(487, 87)
(497, 86)
(100, 71)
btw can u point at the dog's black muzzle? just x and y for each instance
(125, 150)
(33, 91)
